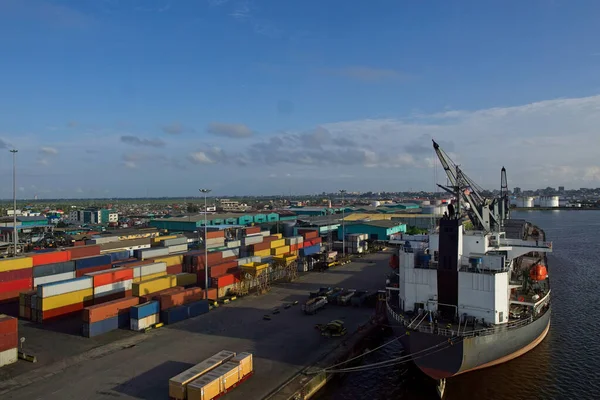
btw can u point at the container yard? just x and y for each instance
(101, 297)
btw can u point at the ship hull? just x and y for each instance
(472, 353)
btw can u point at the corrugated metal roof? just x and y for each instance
(382, 223)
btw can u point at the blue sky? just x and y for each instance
(136, 97)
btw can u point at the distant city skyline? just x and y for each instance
(155, 98)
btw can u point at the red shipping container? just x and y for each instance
(174, 269)
(215, 234)
(300, 245)
(81, 272)
(223, 268)
(79, 243)
(19, 284)
(16, 274)
(308, 233)
(62, 312)
(293, 248)
(50, 257)
(10, 296)
(252, 229)
(316, 241)
(260, 246)
(156, 295)
(9, 338)
(224, 280)
(113, 275)
(212, 293)
(84, 251)
(173, 299)
(112, 296)
(109, 309)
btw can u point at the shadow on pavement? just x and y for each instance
(152, 384)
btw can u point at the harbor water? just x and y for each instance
(564, 366)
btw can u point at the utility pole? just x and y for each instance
(342, 191)
(14, 153)
(205, 192)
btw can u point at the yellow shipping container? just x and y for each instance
(177, 384)
(170, 260)
(245, 361)
(278, 235)
(262, 253)
(11, 264)
(206, 387)
(148, 277)
(185, 279)
(62, 300)
(161, 238)
(153, 285)
(277, 243)
(280, 250)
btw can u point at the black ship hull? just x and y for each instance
(438, 359)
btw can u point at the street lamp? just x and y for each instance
(14, 153)
(342, 191)
(205, 192)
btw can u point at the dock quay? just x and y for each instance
(131, 365)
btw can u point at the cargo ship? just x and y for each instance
(474, 292)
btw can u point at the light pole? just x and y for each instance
(14, 153)
(342, 191)
(205, 192)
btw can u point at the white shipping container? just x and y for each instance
(255, 258)
(154, 252)
(234, 243)
(151, 269)
(72, 285)
(103, 239)
(215, 240)
(230, 253)
(111, 288)
(53, 278)
(248, 240)
(139, 324)
(8, 357)
(173, 242)
(244, 260)
(178, 248)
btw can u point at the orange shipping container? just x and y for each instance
(223, 268)
(112, 296)
(62, 312)
(50, 257)
(260, 246)
(108, 310)
(84, 251)
(174, 269)
(252, 229)
(113, 275)
(169, 300)
(215, 234)
(156, 295)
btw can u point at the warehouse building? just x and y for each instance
(377, 230)
(191, 223)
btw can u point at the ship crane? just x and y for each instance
(484, 213)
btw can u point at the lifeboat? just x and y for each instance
(394, 262)
(538, 273)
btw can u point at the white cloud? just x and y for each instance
(49, 151)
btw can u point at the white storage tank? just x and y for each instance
(525, 202)
(552, 201)
(438, 202)
(375, 203)
(537, 202)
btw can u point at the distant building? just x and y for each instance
(561, 189)
(230, 205)
(377, 230)
(94, 216)
(517, 191)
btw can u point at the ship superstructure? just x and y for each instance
(475, 292)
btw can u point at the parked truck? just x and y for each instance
(314, 304)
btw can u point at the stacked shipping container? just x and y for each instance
(9, 340)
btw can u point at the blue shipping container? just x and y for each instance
(107, 325)
(119, 255)
(53, 269)
(175, 314)
(310, 250)
(90, 262)
(198, 308)
(144, 310)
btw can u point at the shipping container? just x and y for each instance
(53, 269)
(174, 242)
(61, 312)
(109, 309)
(100, 327)
(154, 285)
(186, 279)
(16, 274)
(58, 288)
(121, 286)
(280, 250)
(53, 278)
(198, 308)
(177, 384)
(245, 360)
(224, 280)
(221, 268)
(66, 299)
(234, 243)
(114, 275)
(94, 261)
(118, 295)
(215, 383)
(156, 295)
(143, 310)
(10, 264)
(179, 298)
(118, 255)
(179, 248)
(149, 277)
(84, 251)
(144, 254)
(133, 263)
(170, 260)
(251, 240)
(50, 257)
(82, 272)
(13, 288)
(215, 234)
(174, 269)
(263, 253)
(159, 239)
(143, 323)
(260, 246)
(9, 337)
(8, 357)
